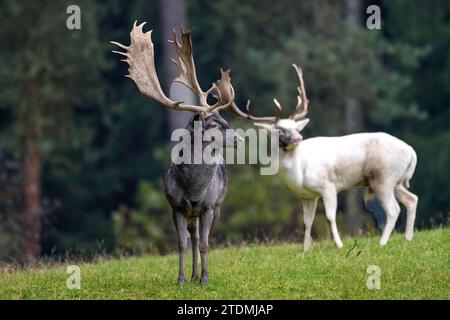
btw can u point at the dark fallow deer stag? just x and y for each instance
(323, 166)
(194, 191)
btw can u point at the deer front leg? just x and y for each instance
(206, 222)
(181, 226)
(330, 202)
(193, 230)
(309, 211)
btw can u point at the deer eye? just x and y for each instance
(213, 125)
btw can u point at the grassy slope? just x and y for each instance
(417, 270)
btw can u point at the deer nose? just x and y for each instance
(297, 140)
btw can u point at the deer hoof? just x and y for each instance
(307, 244)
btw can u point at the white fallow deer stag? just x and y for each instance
(324, 166)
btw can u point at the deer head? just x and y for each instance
(289, 128)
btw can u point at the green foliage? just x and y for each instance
(144, 229)
(96, 141)
(421, 42)
(10, 206)
(409, 270)
(256, 207)
(104, 145)
(337, 61)
(48, 67)
(432, 174)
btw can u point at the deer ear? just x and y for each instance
(301, 124)
(269, 127)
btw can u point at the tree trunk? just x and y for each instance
(173, 15)
(32, 192)
(353, 123)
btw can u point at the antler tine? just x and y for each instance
(140, 58)
(301, 109)
(279, 108)
(188, 75)
(225, 92)
(234, 109)
(185, 62)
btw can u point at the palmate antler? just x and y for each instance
(300, 111)
(141, 60)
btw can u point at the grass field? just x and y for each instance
(416, 270)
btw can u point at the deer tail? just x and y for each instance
(410, 170)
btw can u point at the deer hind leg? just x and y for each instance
(409, 200)
(309, 211)
(330, 202)
(392, 209)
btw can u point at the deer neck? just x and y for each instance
(288, 159)
(196, 178)
(290, 167)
